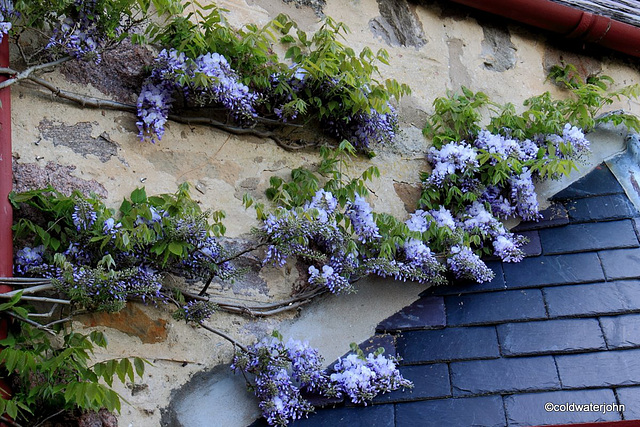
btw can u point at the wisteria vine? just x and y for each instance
(100, 259)
(462, 205)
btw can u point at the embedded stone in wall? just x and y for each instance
(316, 5)
(498, 50)
(132, 321)
(119, 74)
(250, 265)
(409, 194)
(398, 25)
(78, 138)
(30, 176)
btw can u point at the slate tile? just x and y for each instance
(616, 206)
(529, 409)
(550, 336)
(429, 381)
(353, 416)
(553, 270)
(318, 400)
(589, 237)
(465, 287)
(599, 182)
(533, 246)
(504, 375)
(495, 307)
(630, 291)
(601, 369)
(486, 411)
(621, 263)
(584, 300)
(636, 226)
(425, 313)
(448, 344)
(630, 398)
(621, 331)
(554, 216)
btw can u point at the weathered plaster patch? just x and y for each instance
(29, 176)
(458, 73)
(398, 24)
(250, 186)
(498, 51)
(411, 111)
(586, 66)
(78, 138)
(304, 12)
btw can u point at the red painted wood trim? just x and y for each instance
(570, 22)
(6, 184)
(6, 179)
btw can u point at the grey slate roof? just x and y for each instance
(562, 326)
(627, 11)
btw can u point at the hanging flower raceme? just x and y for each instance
(452, 159)
(6, 13)
(361, 379)
(361, 216)
(465, 264)
(207, 80)
(80, 36)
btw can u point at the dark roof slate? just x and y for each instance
(562, 326)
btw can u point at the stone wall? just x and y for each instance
(434, 46)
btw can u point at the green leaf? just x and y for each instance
(98, 338)
(139, 366)
(176, 248)
(139, 195)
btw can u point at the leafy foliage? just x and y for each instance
(100, 258)
(483, 174)
(48, 376)
(324, 219)
(322, 80)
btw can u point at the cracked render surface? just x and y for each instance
(562, 326)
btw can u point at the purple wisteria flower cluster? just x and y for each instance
(28, 258)
(451, 161)
(195, 311)
(362, 379)
(464, 176)
(284, 373)
(93, 288)
(342, 245)
(206, 80)
(6, 13)
(293, 82)
(340, 251)
(364, 129)
(80, 35)
(361, 216)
